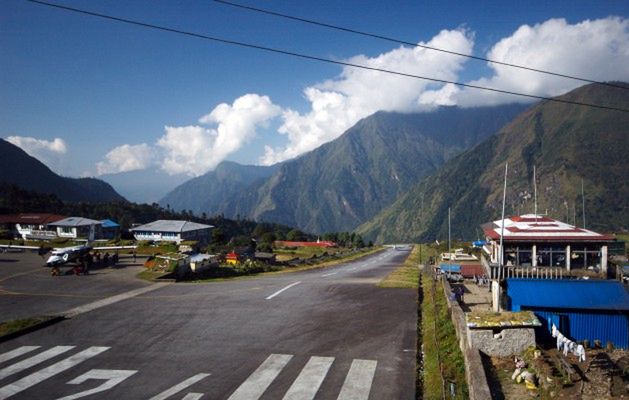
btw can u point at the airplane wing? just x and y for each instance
(15, 246)
(114, 247)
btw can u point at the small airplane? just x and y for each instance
(67, 254)
(62, 255)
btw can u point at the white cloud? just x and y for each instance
(338, 104)
(48, 152)
(196, 149)
(126, 158)
(595, 49)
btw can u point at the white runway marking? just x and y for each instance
(111, 300)
(330, 274)
(17, 352)
(357, 383)
(37, 359)
(283, 289)
(48, 372)
(112, 377)
(261, 378)
(193, 396)
(307, 384)
(179, 387)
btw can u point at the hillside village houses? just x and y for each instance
(173, 231)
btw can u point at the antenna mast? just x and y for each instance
(535, 191)
(502, 227)
(449, 246)
(583, 202)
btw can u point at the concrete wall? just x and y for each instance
(474, 370)
(507, 342)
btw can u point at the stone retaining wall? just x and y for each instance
(474, 371)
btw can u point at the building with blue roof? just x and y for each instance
(581, 309)
(110, 229)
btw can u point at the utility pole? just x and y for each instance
(583, 200)
(502, 224)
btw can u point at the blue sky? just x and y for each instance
(89, 96)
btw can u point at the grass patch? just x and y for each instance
(406, 275)
(442, 356)
(9, 327)
(150, 275)
(427, 251)
(305, 253)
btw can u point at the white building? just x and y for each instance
(78, 228)
(172, 231)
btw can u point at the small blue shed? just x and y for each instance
(110, 229)
(580, 309)
(450, 268)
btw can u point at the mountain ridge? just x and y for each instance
(565, 142)
(343, 183)
(25, 171)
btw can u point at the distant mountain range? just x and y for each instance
(144, 186)
(566, 143)
(344, 183)
(17, 167)
(215, 191)
(392, 176)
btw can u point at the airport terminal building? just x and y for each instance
(538, 241)
(172, 231)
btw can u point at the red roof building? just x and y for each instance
(533, 240)
(318, 243)
(32, 226)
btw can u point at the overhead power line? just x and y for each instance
(399, 41)
(314, 58)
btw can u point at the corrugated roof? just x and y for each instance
(75, 221)
(530, 227)
(36, 219)
(471, 270)
(168, 225)
(107, 223)
(563, 293)
(450, 268)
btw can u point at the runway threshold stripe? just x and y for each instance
(283, 289)
(357, 383)
(307, 384)
(261, 378)
(37, 359)
(193, 396)
(48, 372)
(179, 387)
(111, 300)
(9, 355)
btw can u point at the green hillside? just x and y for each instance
(214, 192)
(18, 168)
(566, 143)
(346, 182)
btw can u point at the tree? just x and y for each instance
(295, 235)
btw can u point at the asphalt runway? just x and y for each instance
(27, 288)
(320, 334)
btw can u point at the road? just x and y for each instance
(325, 334)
